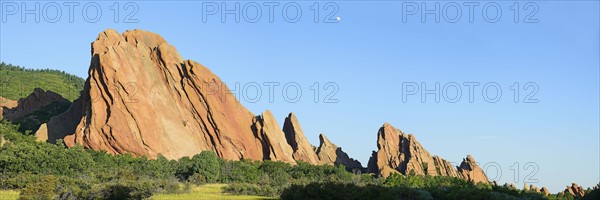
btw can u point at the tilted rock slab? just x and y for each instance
(401, 153)
(470, 170)
(330, 154)
(274, 144)
(575, 190)
(445, 168)
(545, 191)
(303, 150)
(142, 98)
(33, 102)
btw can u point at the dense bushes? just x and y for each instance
(62, 187)
(206, 166)
(406, 187)
(441, 187)
(269, 178)
(43, 170)
(253, 189)
(332, 190)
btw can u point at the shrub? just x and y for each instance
(197, 179)
(330, 190)
(42, 189)
(252, 189)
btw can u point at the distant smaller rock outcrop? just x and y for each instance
(41, 135)
(445, 168)
(273, 139)
(6, 104)
(545, 191)
(470, 170)
(303, 150)
(398, 152)
(35, 101)
(402, 153)
(330, 154)
(534, 188)
(575, 190)
(531, 188)
(510, 186)
(61, 125)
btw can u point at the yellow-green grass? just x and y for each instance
(209, 191)
(9, 194)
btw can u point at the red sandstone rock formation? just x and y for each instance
(575, 190)
(330, 154)
(142, 98)
(274, 144)
(470, 170)
(401, 153)
(33, 102)
(303, 150)
(5, 105)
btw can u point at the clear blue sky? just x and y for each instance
(369, 54)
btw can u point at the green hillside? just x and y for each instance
(18, 82)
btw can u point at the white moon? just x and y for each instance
(338, 18)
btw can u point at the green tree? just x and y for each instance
(207, 164)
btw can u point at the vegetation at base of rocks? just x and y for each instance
(419, 187)
(17, 82)
(48, 171)
(332, 190)
(441, 187)
(57, 172)
(52, 171)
